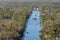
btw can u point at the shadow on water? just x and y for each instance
(33, 26)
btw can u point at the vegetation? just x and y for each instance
(12, 20)
(50, 21)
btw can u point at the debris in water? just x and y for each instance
(35, 15)
(27, 32)
(34, 18)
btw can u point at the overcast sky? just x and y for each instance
(32, 0)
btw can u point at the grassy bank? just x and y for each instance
(12, 20)
(50, 14)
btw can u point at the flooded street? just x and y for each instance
(33, 26)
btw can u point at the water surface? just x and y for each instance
(33, 26)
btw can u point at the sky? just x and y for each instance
(31, 0)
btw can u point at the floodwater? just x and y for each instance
(33, 26)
